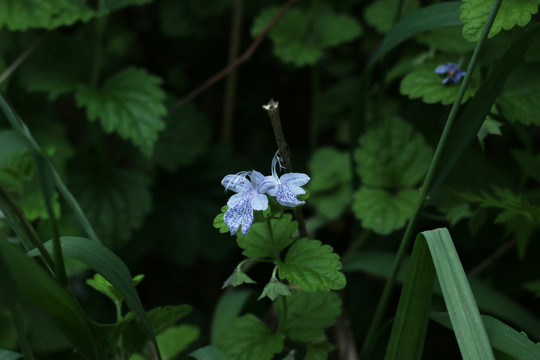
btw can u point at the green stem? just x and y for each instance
(101, 22)
(20, 59)
(275, 249)
(282, 319)
(407, 236)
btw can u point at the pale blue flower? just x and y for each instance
(250, 196)
(452, 71)
(288, 186)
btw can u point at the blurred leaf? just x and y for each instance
(501, 336)
(115, 201)
(186, 136)
(308, 314)
(392, 154)
(219, 223)
(99, 283)
(529, 163)
(176, 339)
(26, 14)
(129, 103)
(424, 83)
(474, 14)
(318, 351)
(34, 284)
(301, 37)
(259, 242)
(209, 352)
(520, 98)
(10, 355)
(228, 307)
(374, 263)
(447, 39)
(237, 278)
(58, 66)
(113, 5)
(489, 127)
(534, 287)
(330, 181)
(381, 14)
(249, 339)
(382, 211)
(312, 266)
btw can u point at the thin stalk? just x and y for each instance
(231, 81)
(101, 22)
(23, 56)
(424, 191)
(282, 318)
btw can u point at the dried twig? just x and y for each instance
(245, 56)
(273, 111)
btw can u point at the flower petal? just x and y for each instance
(286, 197)
(297, 179)
(236, 198)
(443, 69)
(296, 190)
(236, 183)
(259, 202)
(239, 215)
(267, 184)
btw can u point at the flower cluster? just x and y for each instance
(452, 71)
(250, 188)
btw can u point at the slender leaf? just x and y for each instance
(110, 266)
(228, 308)
(501, 336)
(209, 352)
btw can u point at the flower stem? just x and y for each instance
(273, 112)
(407, 236)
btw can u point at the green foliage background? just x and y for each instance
(99, 84)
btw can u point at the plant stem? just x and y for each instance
(101, 22)
(231, 81)
(19, 60)
(407, 236)
(275, 249)
(272, 108)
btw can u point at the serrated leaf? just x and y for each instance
(520, 98)
(424, 83)
(382, 211)
(330, 182)
(114, 200)
(186, 136)
(274, 289)
(249, 338)
(312, 266)
(301, 37)
(393, 154)
(447, 39)
(260, 243)
(474, 14)
(219, 223)
(308, 314)
(238, 277)
(26, 14)
(129, 103)
(381, 14)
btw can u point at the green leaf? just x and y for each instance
(10, 355)
(238, 277)
(301, 37)
(113, 5)
(176, 339)
(330, 182)
(228, 308)
(106, 263)
(424, 83)
(209, 352)
(274, 289)
(130, 103)
(381, 14)
(474, 14)
(501, 336)
(249, 338)
(116, 201)
(393, 154)
(489, 127)
(374, 263)
(434, 253)
(260, 243)
(308, 314)
(26, 14)
(520, 98)
(99, 283)
(312, 266)
(319, 351)
(447, 39)
(219, 223)
(34, 284)
(186, 136)
(529, 163)
(382, 211)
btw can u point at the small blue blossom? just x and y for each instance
(286, 187)
(250, 196)
(452, 71)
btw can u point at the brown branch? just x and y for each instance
(492, 258)
(272, 108)
(245, 56)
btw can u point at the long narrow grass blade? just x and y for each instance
(502, 337)
(412, 315)
(474, 114)
(468, 327)
(110, 266)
